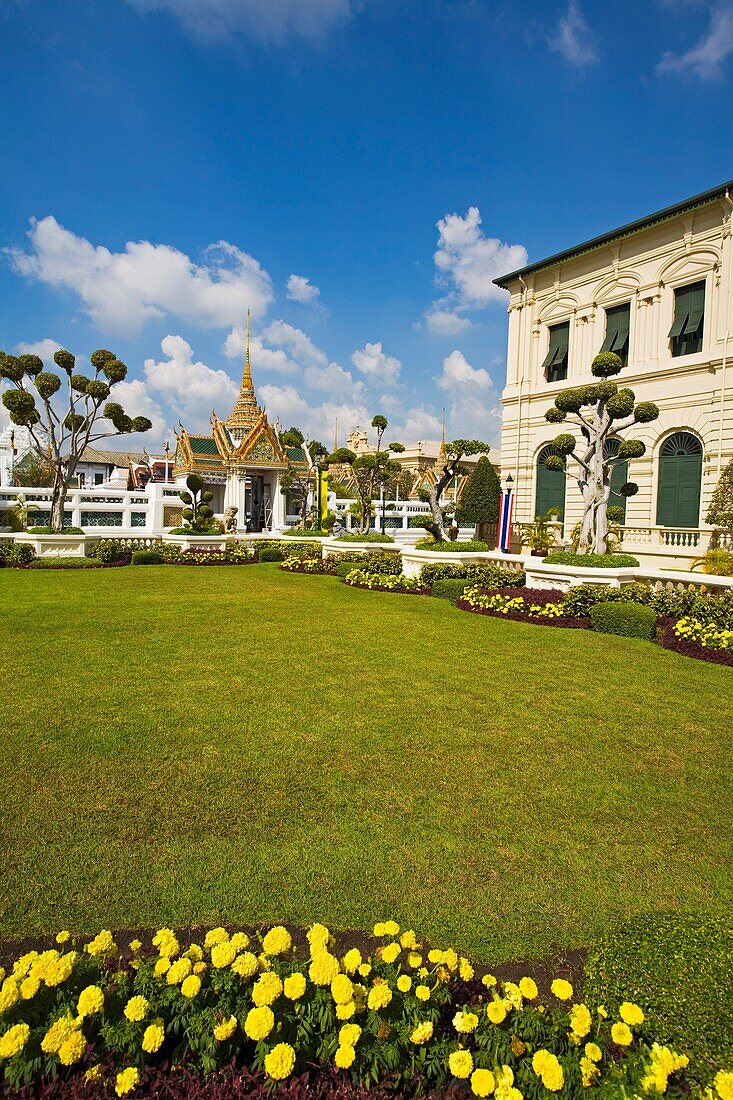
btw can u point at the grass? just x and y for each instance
(240, 745)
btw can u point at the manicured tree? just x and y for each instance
(198, 514)
(720, 512)
(479, 503)
(601, 411)
(370, 471)
(61, 416)
(455, 451)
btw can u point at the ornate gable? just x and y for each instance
(261, 447)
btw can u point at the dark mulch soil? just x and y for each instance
(392, 591)
(669, 640)
(565, 620)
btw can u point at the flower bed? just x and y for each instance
(686, 637)
(411, 1018)
(384, 582)
(544, 606)
(302, 565)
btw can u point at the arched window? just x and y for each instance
(550, 491)
(680, 477)
(619, 475)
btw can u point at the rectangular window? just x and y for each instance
(617, 332)
(99, 479)
(689, 314)
(555, 365)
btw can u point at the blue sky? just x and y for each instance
(357, 171)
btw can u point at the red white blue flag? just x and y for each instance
(504, 526)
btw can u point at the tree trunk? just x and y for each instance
(437, 527)
(58, 500)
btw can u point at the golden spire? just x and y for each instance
(336, 435)
(246, 412)
(442, 451)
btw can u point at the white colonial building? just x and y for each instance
(658, 292)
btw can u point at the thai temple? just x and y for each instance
(242, 460)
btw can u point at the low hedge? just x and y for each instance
(699, 603)
(630, 620)
(678, 967)
(487, 574)
(65, 561)
(592, 561)
(271, 554)
(471, 547)
(147, 557)
(16, 553)
(449, 589)
(373, 536)
(46, 530)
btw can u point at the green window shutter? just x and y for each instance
(555, 363)
(681, 314)
(617, 331)
(696, 294)
(680, 478)
(550, 357)
(550, 489)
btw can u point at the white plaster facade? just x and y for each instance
(643, 265)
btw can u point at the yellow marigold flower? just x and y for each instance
(72, 1049)
(465, 970)
(91, 1000)
(240, 941)
(723, 1082)
(593, 1051)
(505, 1077)
(450, 958)
(342, 989)
(404, 983)
(194, 953)
(631, 1014)
(215, 936)
(589, 1071)
(154, 1036)
(345, 1056)
(351, 960)
(135, 946)
(102, 944)
(245, 965)
(414, 960)
(422, 1033)
(365, 969)
(63, 937)
(379, 929)
(443, 974)
(391, 952)
(61, 970)
(488, 980)
(349, 1035)
(267, 989)
(581, 1020)
(13, 1041)
(465, 1022)
(259, 1022)
(166, 942)
(277, 941)
(379, 996)
(200, 967)
(408, 940)
(513, 994)
(422, 992)
(549, 1070)
(136, 1009)
(460, 1063)
(223, 955)
(190, 986)
(528, 988)
(318, 936)
(496, 1012)
(391, 928)
(345, 1012)
(294, 986)
(126, 1081)
(161, 966)
(225, 1029)
(279, 1063)
(435, 956)
(93, 1073)
(29, 987)
(57, 1034)
(602, 1012)
(621, 1034)
(482, 1082)
(561, 989)
(323, 968)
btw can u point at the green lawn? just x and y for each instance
(238, 744)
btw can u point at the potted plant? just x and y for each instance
(540, 535)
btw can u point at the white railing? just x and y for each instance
(91, 509)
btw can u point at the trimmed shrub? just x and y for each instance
(45, 530)
(592, 561)
(371, 537)
(66, 561)
(147, 557)
(291, 550)
(295, 532)
(450, 588)
(342, 569)
(271, 554)
(388, 562)
(706, 606)
(472, 547)
(109, 552)
(419, 521)
(630, 620)
(487, 574)
(662, 961)
(16, 553)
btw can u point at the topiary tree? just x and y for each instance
(454, 451)
(602, 412)
(371, 472)
(479, 503)
(198, 514)
(720, 512)
(61, 414)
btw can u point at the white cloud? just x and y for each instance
(121, 290)
(44, 349)
(299, 344)
(317, 420)
(573, 38)
(267, 20)
(446, 322)
(470, 418)
(459, 374)
(135, 398)
(706, 57)
(190, 389)
(301, 355)
(301, 289)
(376, 366)
(416, 423)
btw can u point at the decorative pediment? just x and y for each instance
(690, 267)
(619, 288)
(261, 447)
(557, 309)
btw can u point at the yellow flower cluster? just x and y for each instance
(549, 1070)
(280, 1061)
(707, 635)
(277, 941)
(13, 1041)
(103, 945)
(663, 1063)
(136, 1009)
(154, 1036)
(91, 1001)
(126, 1081)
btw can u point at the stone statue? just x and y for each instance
(230, 521)
(338, 528)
